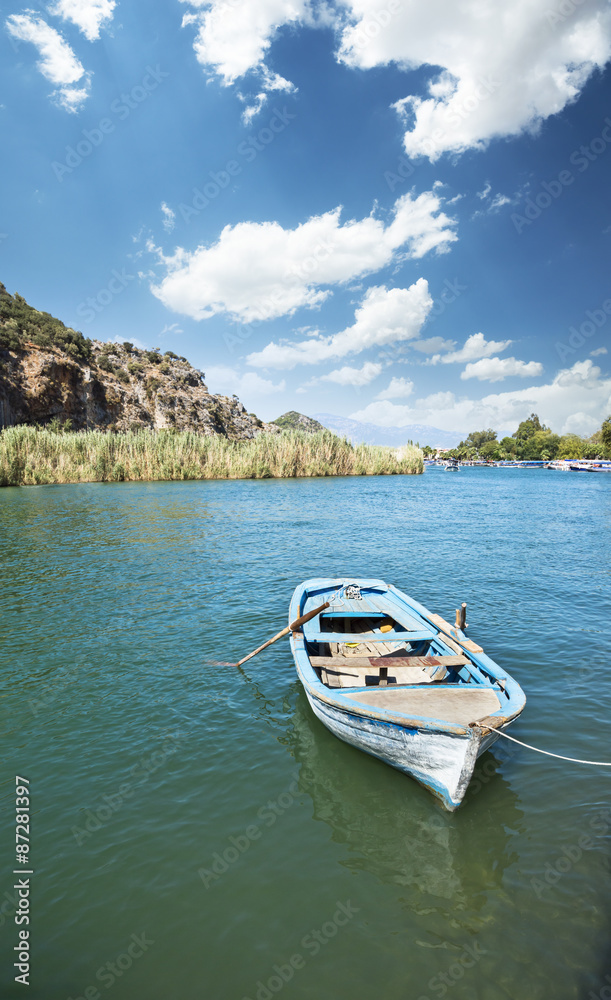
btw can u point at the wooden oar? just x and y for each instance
(285, 631)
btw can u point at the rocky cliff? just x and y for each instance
(51, 373)
(116, 389)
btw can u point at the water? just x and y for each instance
(147, 765)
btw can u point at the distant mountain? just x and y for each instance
(294, 421)
(358, 432)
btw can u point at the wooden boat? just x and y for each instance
(389, 677)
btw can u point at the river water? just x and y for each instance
(197, 834)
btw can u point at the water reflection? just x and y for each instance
(395, 829)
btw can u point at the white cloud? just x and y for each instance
(598, 352)
(354, 376)
(476, 346)
(497, 369)
(88, 15)
(233, 36)
(398, 388)
(577, 397)
(227, 381)
(169, 217)
(57, 62)
(505, 67)
(384, 317)
(252, 109)
(258, 270)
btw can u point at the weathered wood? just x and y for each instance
(449, 703)
(461, 617)
(389, 661)
(354, 636)
(445, 630)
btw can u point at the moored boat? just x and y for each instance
(387, 676)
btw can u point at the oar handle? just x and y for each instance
(306, 618)
(285, 631)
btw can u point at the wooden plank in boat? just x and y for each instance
(450, 703)
(387, 661)
(350, 677)
(446, 628)
(382, 637)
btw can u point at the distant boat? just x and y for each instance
(385, 675)
(452, 466)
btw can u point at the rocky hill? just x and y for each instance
(294, 421)
(49, 372)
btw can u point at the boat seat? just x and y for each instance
(380, 671)
(450, 703)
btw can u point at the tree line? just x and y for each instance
(531, 441)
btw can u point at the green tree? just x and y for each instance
(477, 439)
(541, 445)
(605, 434)
(529, 427)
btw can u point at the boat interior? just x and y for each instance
(388, 664)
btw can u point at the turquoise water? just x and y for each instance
(196, 832)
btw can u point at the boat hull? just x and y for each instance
(440, 761)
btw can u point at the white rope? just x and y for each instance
(573, 760)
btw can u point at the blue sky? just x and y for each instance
(392, 210)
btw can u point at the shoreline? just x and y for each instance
(36, 457)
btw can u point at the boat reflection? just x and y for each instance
(394, 829)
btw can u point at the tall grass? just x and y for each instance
(30, 456)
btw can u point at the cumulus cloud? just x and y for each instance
(598, 352)
(497, 369)
(88, 15)
(57, 62)
(259, 271)
(576, 401)
(226, 381)
(233, 36)
(384, 317)
(504, 67)
(476, 346)
(398, 388)
(354, 376)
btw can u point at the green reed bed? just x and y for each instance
(30, 456)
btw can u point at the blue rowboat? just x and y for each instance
(389, 677)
